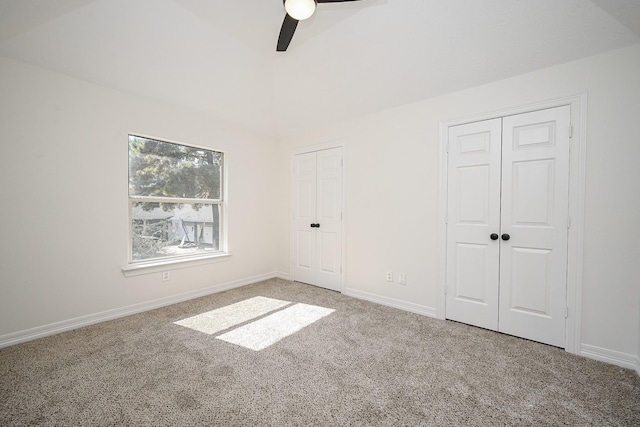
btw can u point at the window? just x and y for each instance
(175, 200)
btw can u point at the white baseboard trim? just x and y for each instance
(91, 319)
(618, 358)
(391, 302)
(282, 275)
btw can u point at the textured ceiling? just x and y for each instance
(347, 60)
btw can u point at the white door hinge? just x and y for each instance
(570, 131)
(447, 147)
(566, 312)
(446, 219)
(568, 222)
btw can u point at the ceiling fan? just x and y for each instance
(297, 10)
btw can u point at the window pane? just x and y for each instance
(164, 169)
(162, 230)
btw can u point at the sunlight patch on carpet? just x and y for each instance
(232, 315)
(262, 333)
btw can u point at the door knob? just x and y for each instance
(505, 236)
(314, 225)
(494, 236)
(317, 225)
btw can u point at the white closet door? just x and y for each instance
(317, 218)
(473, 215)
(304, 260)
(329, 218)
(508, 192)
(535, 188)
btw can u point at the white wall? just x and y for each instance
(63, 190)
(64, 143)
(392, 190)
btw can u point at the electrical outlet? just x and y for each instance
(402, 278)
(389, 276)
(165, 276)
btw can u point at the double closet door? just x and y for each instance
(507, 224)
(317, 218)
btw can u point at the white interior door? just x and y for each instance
(473, 215)
(508, 183)
(304, 214)
(535, 212)
(317, 218)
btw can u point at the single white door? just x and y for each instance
(317, 218)
(473, 215)
(304, 214)
(535, 214)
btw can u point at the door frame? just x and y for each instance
(343, 239)
(577, 170)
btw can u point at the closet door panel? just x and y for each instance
(329, 217)
(533, 262)
(473, 215)
(304, 214)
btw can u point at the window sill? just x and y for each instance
(158, 266)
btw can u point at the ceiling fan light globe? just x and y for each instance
(300, 9)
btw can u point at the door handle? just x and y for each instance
(494, 236)
(505, 236)
(314, 225)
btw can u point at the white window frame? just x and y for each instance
(135, 268)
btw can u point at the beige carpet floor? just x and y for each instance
(362, 364)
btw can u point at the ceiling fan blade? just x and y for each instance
(286, 33)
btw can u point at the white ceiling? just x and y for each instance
(349, 59)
